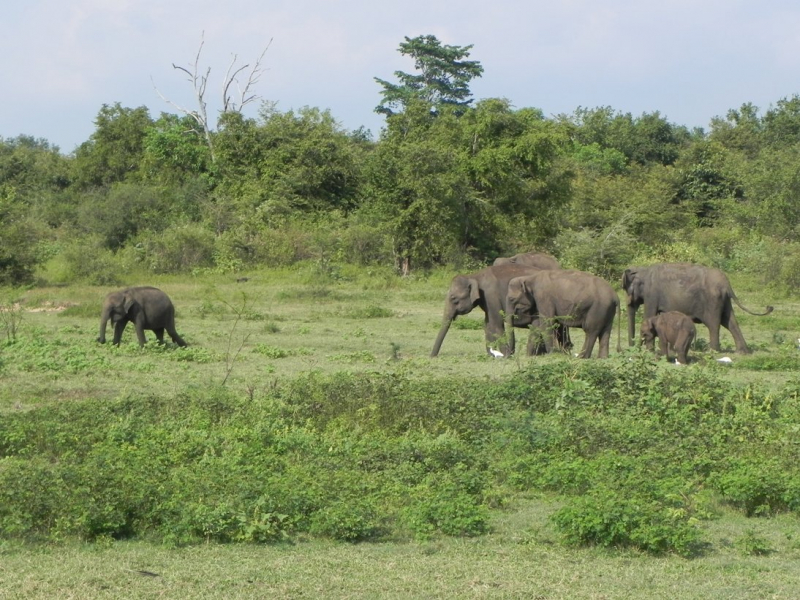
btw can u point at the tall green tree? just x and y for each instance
(18, 237)
(115, 150)
(443, 78)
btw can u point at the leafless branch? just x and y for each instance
(245, 96)
(199, 84)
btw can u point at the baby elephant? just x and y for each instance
(147, 307)
(674, 330)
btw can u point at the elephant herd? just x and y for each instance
(532, 291)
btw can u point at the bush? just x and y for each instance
(19, 234)
(758, 488)
(179, 249)
(627, 519)
(354, 519)
(86, 259)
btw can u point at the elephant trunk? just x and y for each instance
(103, 322)
(631, 323)
(442, 332)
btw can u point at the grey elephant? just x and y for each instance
(566, 298)
(529, 259)
(702, 293)
(485, 289)
(147, 307)
(674, 330)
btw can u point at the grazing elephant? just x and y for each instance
(530, 259)
(487, 288)
(567, 298)
(147, 307)
(674, 330)
(702, 293)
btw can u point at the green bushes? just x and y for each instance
(638, 456)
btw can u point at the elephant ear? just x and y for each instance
(627, 278)
(474, 290)
(127, 303)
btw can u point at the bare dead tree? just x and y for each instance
(246, 96)
(199, 82)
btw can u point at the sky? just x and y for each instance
(690, 60)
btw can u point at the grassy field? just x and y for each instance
(249, 336)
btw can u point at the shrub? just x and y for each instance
(351, 520)
(757, 487)
(443, 505)
(86, 259)
(624, 518)
(179, 249)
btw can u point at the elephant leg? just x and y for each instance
(663, 346)
(494, 333)
(588, 344)
(119, 327)
(140, 334)
(713, 335)
(547, 326)
(682, 347)
(731, 324)
(605, 342)
(563, 338)
(536, 344)
(159, 334)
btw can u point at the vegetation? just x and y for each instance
(305, 416)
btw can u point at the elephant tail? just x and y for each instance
(747, 310)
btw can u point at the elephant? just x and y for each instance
(674, 330)
(530, 259)
(486, 288)
(702, 293)
(147, 307)
(568, 298)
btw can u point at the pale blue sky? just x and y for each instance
(691, 60)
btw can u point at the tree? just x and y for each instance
(443, 79)
(230, 103)
(115, 150)
(287, 162)
(18, 237)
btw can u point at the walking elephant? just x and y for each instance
(486, 289)
(565, 298)
(530, 259)
(147, 307)
(674, 330)
(702, 293)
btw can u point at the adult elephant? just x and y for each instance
(486, 289)
(529, 259)
(702, 293)
(565, 298)
(147, 307)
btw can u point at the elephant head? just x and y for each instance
(633, 284)
(520, 303)
(648, 332)
(116, 307)
(464, 295)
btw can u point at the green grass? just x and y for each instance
(276, 329)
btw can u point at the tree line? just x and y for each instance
(447, 181)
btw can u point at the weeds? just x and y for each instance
(11, 316)
(633, 451)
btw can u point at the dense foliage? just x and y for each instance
(447, 181)
(641, 457)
